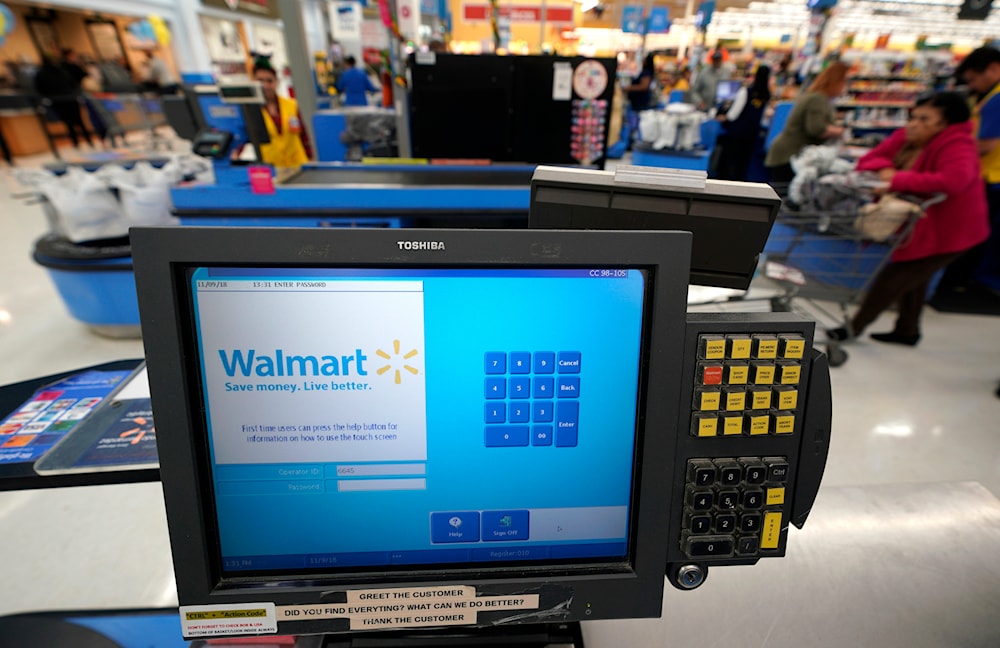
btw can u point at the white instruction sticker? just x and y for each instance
(410, 607)
(228, 620)
(562, 81)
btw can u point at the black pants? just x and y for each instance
(905, 283)
(984, 258)
(734, 157)
(68, 113)
(779, 177)
(5, 150)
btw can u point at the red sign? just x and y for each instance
(519, 13)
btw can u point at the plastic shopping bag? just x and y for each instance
(144, 192)
(82, 208)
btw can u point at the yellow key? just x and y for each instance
(739, 348)
(732, 425)
(788, 399)
(714, 348)
(790, 374)
(784, 424)
(710, 401)
(738, 374)
(761, 400)
(707, 426)
(794, 348)
(759, 424)
(767, 348)
(736, 401)
(764, 375)
(771, 533)
(775, 496)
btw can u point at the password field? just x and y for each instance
(351, 485)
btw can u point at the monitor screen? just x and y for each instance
(414, 408)
(470, 408)
(726, 91)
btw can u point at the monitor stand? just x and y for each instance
(545, 635)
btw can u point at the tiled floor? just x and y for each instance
(901, 416)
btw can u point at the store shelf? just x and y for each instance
(888, 77)
(876, 104)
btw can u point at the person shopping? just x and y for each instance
(742, 126)
(811, 122)
(59, 82)
(354, 84)
(705, 89)
(289, 146)
(640, 91)
(933, 154)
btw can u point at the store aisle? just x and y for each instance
(901, 416)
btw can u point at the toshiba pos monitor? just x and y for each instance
(379, 430)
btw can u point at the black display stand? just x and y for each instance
(510, 108)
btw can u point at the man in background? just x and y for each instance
(156, 76)
(59, 82)
(980, 71)
(706, 83)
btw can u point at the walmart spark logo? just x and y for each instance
(395, 360)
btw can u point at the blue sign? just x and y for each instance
(704, 15)
(632, 22)
(428, 7)
(659, 20)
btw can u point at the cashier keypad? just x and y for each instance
(734, 506)
(747, 385)
(744, 428)
(532, 398)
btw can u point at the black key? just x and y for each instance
(731, 475)
(701, 500)
(709, 546)
(725, 523)
(747, 545)
(750, 523)
(756, 473)
(729, 500)
(777, 469)
(753, 499)
(730, 472)
(701, 472)
(699, 524)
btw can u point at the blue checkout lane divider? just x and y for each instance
(322, 199)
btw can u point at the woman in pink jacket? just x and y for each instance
(934, 153)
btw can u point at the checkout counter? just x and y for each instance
(333, 194)
(338, 195)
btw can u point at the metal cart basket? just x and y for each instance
(818, 253)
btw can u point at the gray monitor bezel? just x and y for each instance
(162, 257)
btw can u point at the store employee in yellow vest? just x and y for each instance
(289, 145)
(980, 70)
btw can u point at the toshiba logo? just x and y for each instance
(420, 245)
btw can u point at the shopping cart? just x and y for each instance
(817, 254)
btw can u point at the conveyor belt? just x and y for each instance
(417, 177)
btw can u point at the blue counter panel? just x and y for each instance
(325, 199)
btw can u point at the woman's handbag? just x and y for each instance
(879, 220)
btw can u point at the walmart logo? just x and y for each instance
(396, 363)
